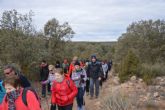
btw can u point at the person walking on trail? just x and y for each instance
(58, 64)
(14, 100)
(87, 81)
(10, 70)
(105, 69)
(95, 74)
(65, 66)
(79, 77)
(63, 91)
(44, 72)
(51, 76)
(71, 67)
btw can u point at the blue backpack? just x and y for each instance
(2, 91)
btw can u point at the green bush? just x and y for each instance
(129, 66)
(148, 72)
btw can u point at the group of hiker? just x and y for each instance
(63, 82)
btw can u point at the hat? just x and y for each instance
(77, 63)
(93, 56)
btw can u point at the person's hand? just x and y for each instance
(99, 79)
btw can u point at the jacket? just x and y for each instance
(44, 72)
(95, 70)
(32, 101)
(63, 93)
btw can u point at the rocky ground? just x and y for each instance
(138, 94)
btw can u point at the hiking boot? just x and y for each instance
(96, 97)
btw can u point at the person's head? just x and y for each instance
(77, 65)
(65, 60)
(11, 83)
(43, 63)
(59, 74)
(9, 70)
(75, 58)
(93, 58)
(51, 69)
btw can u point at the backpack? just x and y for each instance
(2, 91)
(25, 92)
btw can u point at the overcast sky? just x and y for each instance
(92, 20)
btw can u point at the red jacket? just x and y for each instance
(32, 102)
(63, 93)
(71, 69)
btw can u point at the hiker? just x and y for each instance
(105, 69)
(14, 100)
(71, 67)
(57, 65)
(95, 74)
(44, 72)
(51, 76)
(63, 91)
(10, 70)
(87, 81)
(79, 77)
(65, 66)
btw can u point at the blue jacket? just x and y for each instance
(2, 91)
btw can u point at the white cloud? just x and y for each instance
(95, 20)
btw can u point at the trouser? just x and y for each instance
(87, 85)
(49, 87)
(53, 107)
(106, 75)
(44, 90)
(101, 82)
(68, 107)
(80, 97)
(94, 82)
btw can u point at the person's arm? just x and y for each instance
(74, 90)
(32, 101)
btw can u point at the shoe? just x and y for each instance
(96, 97)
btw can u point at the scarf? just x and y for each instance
(11, 97)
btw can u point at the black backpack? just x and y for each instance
(25, 92)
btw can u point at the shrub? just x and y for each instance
(115, 101)
(129, 66)
(148, 72)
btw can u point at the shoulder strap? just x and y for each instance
(25, 92)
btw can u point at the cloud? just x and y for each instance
(95, 20)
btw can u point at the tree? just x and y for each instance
(57, 35)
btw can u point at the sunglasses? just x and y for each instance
(8, 72)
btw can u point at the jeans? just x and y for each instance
(68, 107)
(94, 82)
(87, 85)
(44, 90)
(49, 87)
(53, 107)
(80, 98)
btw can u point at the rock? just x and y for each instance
(140, 80)
(162, 84)
(156, 94)
(148, 95)
(157, 87)
(133, 78)
(116, 80)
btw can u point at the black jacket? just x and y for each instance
(94, 70)
(44, 72)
